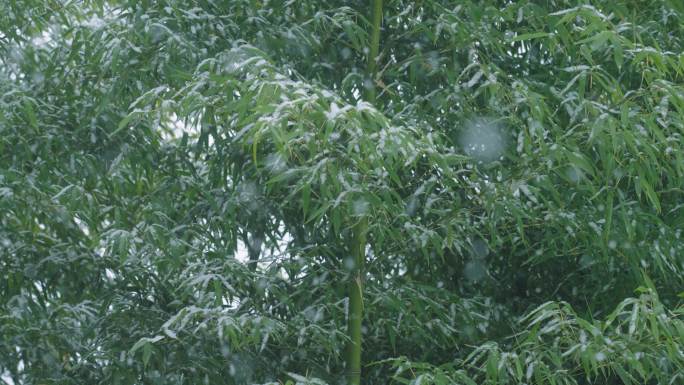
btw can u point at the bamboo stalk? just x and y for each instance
(374, 49)
(360, 229)
(356, 302)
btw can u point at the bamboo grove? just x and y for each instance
(341, 192)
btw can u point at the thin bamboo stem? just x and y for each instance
(360, 229)
(356, 302)
(374, 50)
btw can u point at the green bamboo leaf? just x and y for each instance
(147, 353)
(530, 36)
(30, 114)
(650, 193)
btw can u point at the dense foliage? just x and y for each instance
(189, 190)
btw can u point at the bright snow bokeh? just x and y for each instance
(483, 139)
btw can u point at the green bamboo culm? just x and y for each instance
(374, 50)
(356, 301)
(360, 229)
